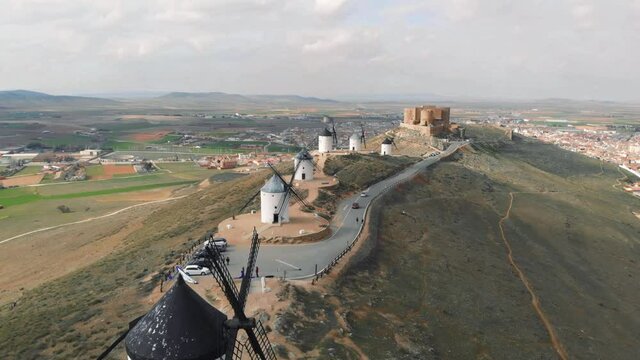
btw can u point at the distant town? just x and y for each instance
(617, 144)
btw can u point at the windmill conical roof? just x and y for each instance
(355, 137)
(304, 155)
(181, 326)
(274, 185)
(325, 132)
(387, 141)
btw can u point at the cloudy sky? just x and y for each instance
(583, 49)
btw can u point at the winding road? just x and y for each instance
(299, 261)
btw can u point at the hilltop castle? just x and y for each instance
(429, 120)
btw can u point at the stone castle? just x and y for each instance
(429, 120)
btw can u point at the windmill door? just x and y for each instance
(304, 176)
(275, 218)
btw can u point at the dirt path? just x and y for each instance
(90, 219)
(535, 302)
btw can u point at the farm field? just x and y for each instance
(30, 170)
(90, 300)
(22, 180)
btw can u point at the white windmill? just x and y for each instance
(328, 139)
(274, 201)
(303, 165)
(356, 142)
(387, 146)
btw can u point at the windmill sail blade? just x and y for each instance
(334, 133)
(248, 202)
(119, 339)
(223, 278)
(251, 263)
(299, 198)
(234, 347)
(295, 170)
(260, 347)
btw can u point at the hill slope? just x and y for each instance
(231, 101)
(23, 99)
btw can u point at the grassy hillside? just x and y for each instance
(358, 171)
(434, 280)
(78, 315)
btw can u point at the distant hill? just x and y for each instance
(224, 100)
(24, 99)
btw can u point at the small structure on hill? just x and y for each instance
(355, 144)
(328, 139)
(325, 141)
(181, 325)
(387, 146)
(303, 165)
(274, 201)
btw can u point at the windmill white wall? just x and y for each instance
(385, 149)
(325, 143)
(355, 144)
(271, 199)
(305, 169)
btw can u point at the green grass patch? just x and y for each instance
(94, 170)
(68, 140)
(118, 145)
(169, 138)
(283, 148)
(20, 196)
(30, 170)
(17, 196)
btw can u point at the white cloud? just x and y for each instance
(328, 7)
(536, 48)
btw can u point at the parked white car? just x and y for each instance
(192, 270)
(219, 242)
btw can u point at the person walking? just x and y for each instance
(257, 273)
(242, 273)
(357, 220)
(228, 261)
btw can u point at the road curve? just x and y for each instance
(299, 261)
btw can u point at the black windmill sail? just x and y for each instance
(362, 137)
(334, 133)
(257, 344)
(393, 141)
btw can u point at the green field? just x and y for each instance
(68, 140)
(120, 145)
(30, 170)
(20, 196)
(167, 139)
(94, 170)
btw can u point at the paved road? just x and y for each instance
(299, 261)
